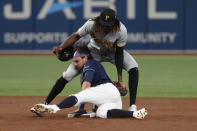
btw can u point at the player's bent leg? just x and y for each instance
(103, 109)
(131, 67)
(128, 61)
(103, 93)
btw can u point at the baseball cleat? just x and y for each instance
(41, 108)
(37, 113)
(52, 108)
(140, 114)
(132, 108)
(76, 113)
(89, 114)
(32, 110)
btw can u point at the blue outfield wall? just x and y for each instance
(151, 24)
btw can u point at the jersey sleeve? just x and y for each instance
(89, 71)
(86, 28)
(88, 76)
(122, 36)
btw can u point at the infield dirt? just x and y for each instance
(164, 114)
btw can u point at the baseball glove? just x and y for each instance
(122, 90)
(66, 54)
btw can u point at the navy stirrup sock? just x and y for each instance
(68, 102)
(117, 113)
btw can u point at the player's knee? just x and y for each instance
(131, 66)
(103, 109)
(67, 76)
(135, 65)
(133, 70)
(68, 102)
(101, 113)
(61, 82)
(79, 99)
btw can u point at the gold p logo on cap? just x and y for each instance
(106, 17)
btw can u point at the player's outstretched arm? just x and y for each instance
(71, 40)
(119, 65)
(68, 42)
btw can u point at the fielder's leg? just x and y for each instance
(67, 76)
(57, 88)
(131, 67)
(133, 84)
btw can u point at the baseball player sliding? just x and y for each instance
(97, 88)
(108, 39)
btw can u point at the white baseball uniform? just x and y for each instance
(105, 96)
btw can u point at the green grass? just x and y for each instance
(160, 76)
(168, 76)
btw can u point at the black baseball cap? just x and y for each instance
(107, 17)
